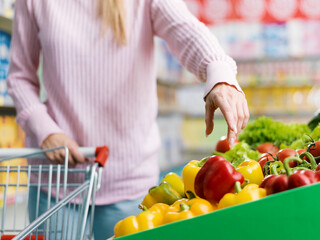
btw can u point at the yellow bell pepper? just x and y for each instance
(175, 181)
(184, 209)
(148, 201)
(164, 193)
(189, 173)
(251, 171)
(145, 220)
(159, 208)
(249, 193)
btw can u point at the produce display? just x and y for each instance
(269, 157)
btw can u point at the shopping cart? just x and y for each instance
(68, 215)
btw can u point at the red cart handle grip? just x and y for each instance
(33, 237)
(102, 154)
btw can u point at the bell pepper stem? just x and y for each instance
(203, 161)
(143, 207)
(184, 207)
(311, 158)
(237, 186)
(190, 195)
(288, 169)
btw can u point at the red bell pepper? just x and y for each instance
(216, 178)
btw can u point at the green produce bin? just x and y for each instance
(293, 214)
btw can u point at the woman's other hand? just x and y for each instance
(58, 156)
(233, 106)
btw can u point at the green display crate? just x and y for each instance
(293, 214)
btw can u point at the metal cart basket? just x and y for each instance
(67, 215)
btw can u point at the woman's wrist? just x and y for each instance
(220, 72)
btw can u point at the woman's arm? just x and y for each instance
(23, 86)
(23, 83)
(199, 51)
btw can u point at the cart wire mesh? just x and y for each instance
(44, 200)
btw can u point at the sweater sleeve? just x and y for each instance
(192, 43)
(23, 83)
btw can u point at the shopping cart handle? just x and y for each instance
(102, 154)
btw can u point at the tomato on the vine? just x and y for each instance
(267, 147)
(299, 151)
(265, 157)
(223, 144)
(302, 150)
(287, 152)
(315, 149)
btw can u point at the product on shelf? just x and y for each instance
(11, 136)
(5, 42)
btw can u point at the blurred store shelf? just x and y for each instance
(7, 111)
(277, 59)
(6, 24)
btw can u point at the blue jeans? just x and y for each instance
(105, 216)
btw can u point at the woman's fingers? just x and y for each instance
(71, 161)
(58, 156)
(77, 156)
(51, 157)
(239, 115)
(229, 112)
(209, 117)
(246, 114)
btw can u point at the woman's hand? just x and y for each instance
(233, 106)
(58, 156)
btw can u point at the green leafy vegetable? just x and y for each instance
(315, 135)
(265, 129)
(305, 139)
(240, 152)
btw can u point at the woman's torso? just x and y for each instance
(101, 93)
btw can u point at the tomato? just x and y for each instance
(299, 151)
(287, 152)
(264, 158)
(223, 145)
(315, 150)
(267, 148)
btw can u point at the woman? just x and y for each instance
(100, 78)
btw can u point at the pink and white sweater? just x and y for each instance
(101, 93)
